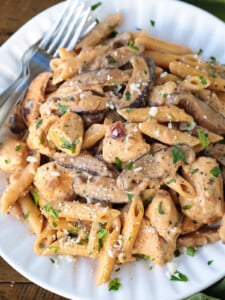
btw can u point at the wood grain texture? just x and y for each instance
(13, 14)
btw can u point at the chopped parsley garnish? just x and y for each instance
(194, 171)
(152, 22)
(102, 237)
(200, 51)
(26, 215)
(191, 251)
(42, 139)
(35, 198)
(132, 46)
(215, 171)
(203, 137)
(95, 6)
(210, 262)
(203, 80)
(130, 196)
(177, 155)
(53, 248)
(118, 163)
(97, 21)
(6, 161)
(63, 108)
(38, 123)
(176, 253)
(51, 211)
(128, 110)
(127, 95)
(171, 181)
(113, 34)
(68, 145)
(52, 260)
(185, 207)
(160, 210)
(212, 59)
(129, 165)
(111, 61)
(142, 256)
(178, 276)
(74, 230)
(114, 284)
(18, 147)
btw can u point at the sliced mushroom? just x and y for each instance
(155, 165)
(34, 97)
(141, 81)
(202, 113)
(218, 152)
(101, 188)
(84, 162)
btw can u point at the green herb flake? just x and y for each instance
(143, 256)
(200, 51)
(212, 59)
(129, 166)
(68, 145)
(62, 108)
(178, 276)
(177, 155)
(203, 80)
(160, 210)
(203, 137)
(42, 139)
(52, 260)
(18, 147)
(127, 95)
(130, 196)
(209, 262)
(114, 284)
(6, 161)
(35, 198)
(38, 123)
(176, 253)
(194, 171)
(51, 211)
(95, 6)
(152, 22)
(118, 163)
(113, 34)
(102, 237)
(186, 207)
(171, 181)
(97, 21)
(53, 248)
(191, 251)
(132, 46)
(111, 61)
(26, 215)
(128, 110)
(215, 171)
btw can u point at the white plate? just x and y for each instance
(176, 22)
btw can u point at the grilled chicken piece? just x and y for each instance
(199, 238)
(205, 176)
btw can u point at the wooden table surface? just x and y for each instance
(13, 14)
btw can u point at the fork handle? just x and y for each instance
(11, 97)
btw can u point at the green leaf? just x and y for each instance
(38, 123)
(118, 163)
(130, 196)
(95, 6)
(18, 147)
(63, 108)
(203, 137)
(68, 145)
(129, 166)
(215, 171)
(127, 95)
(160, 210)
(152, 22)
(190, 251)
(178, 276)
(35, 198)
(177, 155)
(132, 46)
(51, 211)
(114, 284)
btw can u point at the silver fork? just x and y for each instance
(64, 34)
